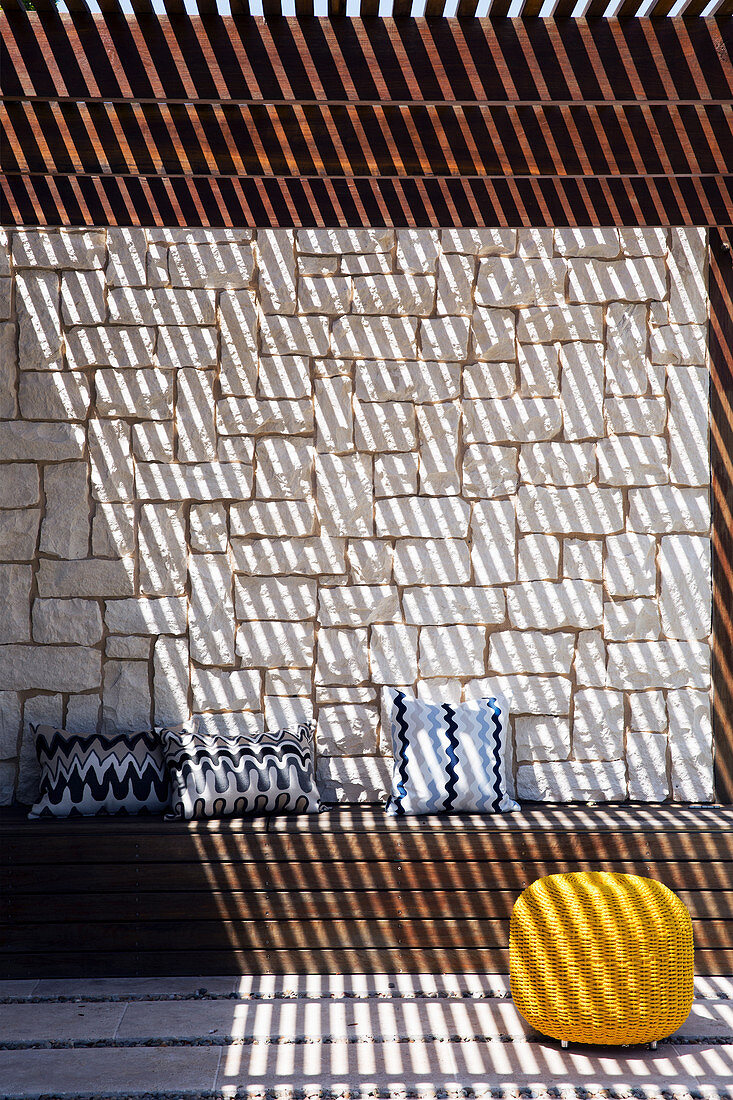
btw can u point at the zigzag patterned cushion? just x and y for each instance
(122, 773)
(448, 757)
(222, 775)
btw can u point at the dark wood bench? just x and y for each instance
(347, 890)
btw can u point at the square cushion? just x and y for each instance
(92, 774)
(448, 757)
(223, 775)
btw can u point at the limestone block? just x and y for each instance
(432, 561)
(211, 610)
(342, 656)
(690, 746)
(65, 526)
(538, 558)
(52, 395)
(632, 619)
(665, 509)
(337, 241)
(388, 294)
(82, 713)
(358, 605)
(272, 517)
(282, 335)
(284, 469)
(663, 664)
(421, 517)
(82, 297)
(345, 494)
(447, 338)
(291, 681)
(22, 441)
(263, 645)
(162, 306)
(648, 712)
(203, 481)
(539, 370)
(439, 446)
(49, 668)
(325, 265)
(590, 659)
(551, 605)
(541, 695)
(643, 241)
(511, 420)
(601, 243)
(326, 294)
(64, 249)
(440, 689)
(126, 701)
(222, 265)
(688, 425)
(8, 373)
(39, 320)
(632, 460)
(557, 463)
(512, 651)
(163, 550)
(646, 756)
(455, 284)
(395, 474)
(384, 426)
(635, 415)
(675, 344)
(486, 379)
(113, 346)
(262, 598)
(308, 556)
(159, 615)
(366, 263)
(493, 533)
(688, 284)
(582, 511)
(582, 390)
(489, 471)
(10, 723)
(7, 782)
(583, 559)
(253, 416)
(628, 370)
(479, 242)
(110, 460)
(73, 622)
(15, 600)
(147, 394)
(239, 328)
(283, 713)
(126, 257)
(370, 561)
(170, 681)
(231, 725)
(452, 650)
(630, 568)
(417, 250)
(541, 738)
(113, 531)
(157, 273)
(535, 243)
(572, 781)
(284, 376)
(685, 597)
(38, 710)
(208, 528)
(195, 415)
(18, 531)
(189, 235)
(333, 414)
(393, 653)
(594, 280)
(545, 324)
(276, 263)
(129, 648)
(492, 334)
(442, 605)
(353, 780)
(415, 380)
(94, 578)
(520, 282)
(19, 485)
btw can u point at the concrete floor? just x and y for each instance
(390, 1036)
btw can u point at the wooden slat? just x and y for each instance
(499, 9)
(434, 9)
(661, 8)
(467, 9)
(369, 7)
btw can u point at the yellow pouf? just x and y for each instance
(601, 958)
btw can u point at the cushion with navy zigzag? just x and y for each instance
(448, 757)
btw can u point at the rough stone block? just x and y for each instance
(628, 279)
(308, 556)
(163, 550)
(590, 659)
(19, 485)
(442, 605)
(493, 533)
(50, 668)
(208, 526)
(334, 415)
(211, 610)
(239, 327)
(113, 531)
(355, 780)
(126, 702)
(492, 334)
(82, 713)
(15, 600)
(93, 578)
(31, 441)
(664, 664)
(489, 471)
(415, 380)
(39, 320)
(202, 481)
(485, 379)
(664, 509)
(632, 460)
(336, 241)
(583, 559)
(628, 371)
(282, 335)
(358, 605)
(545, 324)
(162, 306)
(648, 712)
(572, 781)
(551, 605)
(512, 651)
(455, 285)
(479, 242)
(345, 494)
(431, 561)
(411, 295)
(82, 297)
(630, 568)
(421, 517)
(52, 395)
(388, 426)
(146, 394)
(65, 526)
(8, 375)
(370, 561)
(447, 338)
(265, 598)
(393, 654)
(170, 681)
(520, 282)
(395, 474)
(685, 597)
(159, 615)
(18, 531)
(284, 469)
(110, 456)
(342, 656)
(539, 370)
(691, 746)
(512, 420)
(276, 263)
(439, 447)
(38, 710)
(581, 390)
(292, 681)
(643, 241)
(326, 294)
(329, 265)
(253, 416)
(635, 415)
(222, 265)
(678, 344)
(126, 257)
(112, 346)
(557, 463)
(231, 725)
(285, 376)
(600, 243)
(646, 756)
(58, 249)
(128, 648)
(541, 738)
(688, 389)
(262, 645)
(283, 713)
(347, 730)
(72, 622)
(538, 558)
(541, 695)
(583, 511)
(688, 286)
(452, 650)
(631, 619)
(417, 250)
(195, 415)
(273, 517)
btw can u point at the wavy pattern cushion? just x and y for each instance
(222, 775)
(448, 757)
(87, 775)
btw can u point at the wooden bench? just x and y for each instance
(347, 890)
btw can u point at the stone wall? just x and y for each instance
(261, 475)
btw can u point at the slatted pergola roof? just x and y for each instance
(431, 9)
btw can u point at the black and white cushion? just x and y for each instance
(448, 757)
(223, 775)
(92, 774)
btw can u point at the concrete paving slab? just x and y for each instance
(126, 987)
(28, 1022)
(323, 985)
(708, 1019)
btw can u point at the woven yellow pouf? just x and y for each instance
(601, 958)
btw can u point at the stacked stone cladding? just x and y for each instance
(261, 475)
